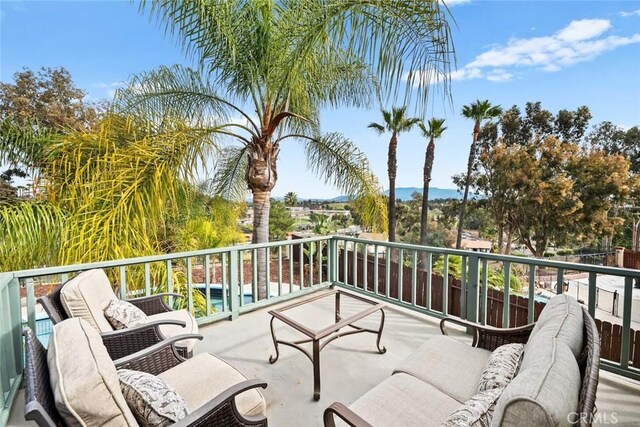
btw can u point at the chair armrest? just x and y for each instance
(222, 410)
(153, 304)
(345, 414)
(123, 342)
(488, 337)
(157, 358)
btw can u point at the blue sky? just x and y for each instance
(562, 53)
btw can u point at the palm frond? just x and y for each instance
(229, 180)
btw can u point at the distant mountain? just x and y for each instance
(404, 193)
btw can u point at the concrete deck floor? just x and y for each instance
(349, 366)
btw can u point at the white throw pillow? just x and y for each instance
(501, 367)
(123, 314)
(152, 401)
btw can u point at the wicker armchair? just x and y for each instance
(123, 342)
(490, 338)
(40, 402)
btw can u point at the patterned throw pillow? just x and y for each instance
(476, 412)
(501, 367)
(123, 314)
(152, 401)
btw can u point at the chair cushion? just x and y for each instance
(123, 314)
(83, 377)
(501, 367)
(203, 377)
(477, 411)
(432, 362)
(545, 392)
(561, 318)
(403, 400)
(152, 401)
(87, 296)
(173, 330)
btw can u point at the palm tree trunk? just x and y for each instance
(467, 182)
(391, 169)
(424, 214)
(261, 178)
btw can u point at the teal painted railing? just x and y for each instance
(222, 283)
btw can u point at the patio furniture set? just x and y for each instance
(109, 364)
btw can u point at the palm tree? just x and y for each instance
(396, 122)
(290, 199)
(276, 65)
(478, 112)
(433, 131)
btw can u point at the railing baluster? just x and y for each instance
(400, 273)
(31, 304)
(345, 265)
(463, 289)
(427, 297)
(355, 265)
(532, 297)
(234, 290)
(123, 282)
(7, 358)
(485, 290)
(472, 288)
(207, 284)
(365, 267)
(290, 268)
(189, 286)
(445, 284)
(387, 271)
(147, 280)
(626, 322)
(240, 278)
(224, 285)
(311, 254)
(560, 281)
(15, 314)
(321, 249)
(507, 299)
(301, 265)
(592, 294)
(376, 272)
(169, 280)
(414, 276)
(64, 277)
(267, 257)
(279, 270)
(254, 278)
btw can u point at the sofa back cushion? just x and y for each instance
(83, 377)
(561, 318)
(545, 391)
(87, 296)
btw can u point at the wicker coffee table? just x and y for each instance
(321, 337)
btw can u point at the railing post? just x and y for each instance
(234, 287)
(333, 260)
(472, 288)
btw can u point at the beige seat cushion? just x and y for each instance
(449, 365)
(403, 400)
(561, 318)
(545, 391)
(203, 377)
(84, 379)
(173, 330)
(87, 296)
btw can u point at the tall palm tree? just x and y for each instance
(290, 199)
(276, 65)
(478, 111)
(396, 122)
(433, 131)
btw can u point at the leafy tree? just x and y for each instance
(290, 199)
(341, 220)
(285, 61)
(280, 221)
(433, 131)
(478, 111)
(395, 122)
(615, 140)
(409, 226)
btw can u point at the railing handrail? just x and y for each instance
(589, 268)
(48, 271)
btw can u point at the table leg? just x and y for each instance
(316, 369)
(275, 343)
(383, 349)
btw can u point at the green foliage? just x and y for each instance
(290, 199)
(341, 220)
(495, 277)
(280, 221)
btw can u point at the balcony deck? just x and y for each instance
(349, 366)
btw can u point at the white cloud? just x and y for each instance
(632, 13)
(455, 2)
(580, 41)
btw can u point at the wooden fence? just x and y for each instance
(610, 334)
(631, 259)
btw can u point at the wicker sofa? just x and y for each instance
(75, 382)
(555, 383)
